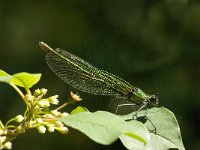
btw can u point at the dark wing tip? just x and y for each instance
(45, 47)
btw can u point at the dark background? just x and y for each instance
(152, 44)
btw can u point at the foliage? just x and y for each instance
(101, 126)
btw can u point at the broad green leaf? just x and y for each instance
(25, 79)
(4, 77)
(105, 128)
(168, 133)
(79, 109)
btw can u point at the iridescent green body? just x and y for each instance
(87, 78)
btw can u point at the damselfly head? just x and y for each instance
(153, 100)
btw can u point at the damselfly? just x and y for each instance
(85, 77)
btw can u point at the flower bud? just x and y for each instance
(63, 130)
(44, 103)
(48, 116)
(43, 91)
(36, 92)
(8, 145)
(19, 118)
(39, 120)
(29, 97)
(41, 129)
(64, 114)
(51, 129)
(2, 139)
(75, 97)
(20, 129)
(55, 113)
(53, 99)
(59, 124)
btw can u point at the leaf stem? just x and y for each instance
(19, 92)
(11, 120)
(1, 125)
(62, 106)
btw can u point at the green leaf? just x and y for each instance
(25, 79)
(168, 133)
(3, 73)
(4, 77)
(22, 79)
(105, 128)
(168, 130)
(132, 143)
(79, 109)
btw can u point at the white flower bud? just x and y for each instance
(53, 99)
(2, 139)
(64, 114)
(63, 130)
(8, 145)
(44, 103)
(55, 113)
(39, 120)
(49, 116)
(43, 91)
(36, 92)
(41, 129)
(51, 129)
(19, 118)
(59, 124)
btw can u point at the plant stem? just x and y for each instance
(18, 91)
(62, 106)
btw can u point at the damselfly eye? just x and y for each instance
(153, 100)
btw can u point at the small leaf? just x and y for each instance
(3, 73)
(105, 128)
(4, 77)
(79, 109)
(24, 79)
(168, 133)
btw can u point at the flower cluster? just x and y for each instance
(43, 118)
(38, 115)
(49, 122)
